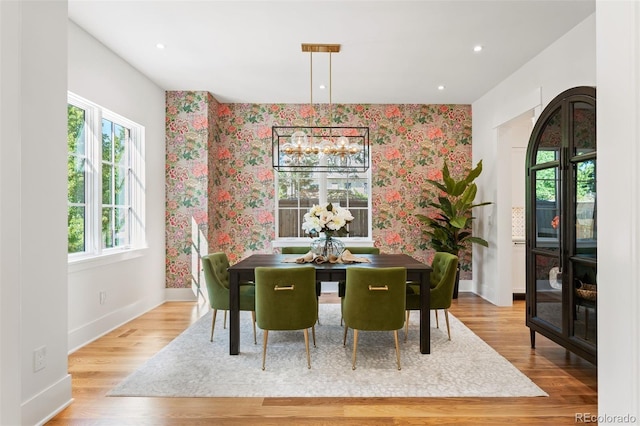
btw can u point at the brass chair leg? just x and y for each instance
(313, 332)
(265, 333)
(406, 326)
(395, 335)
(306, 345)
(446, 316)
(213, 323)
(224, 323)
(355, 348)
(344, 340)
(253, 317)
(437, 324)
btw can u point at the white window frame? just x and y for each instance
(95, 254)
(303, 241)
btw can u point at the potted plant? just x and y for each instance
(450, 229)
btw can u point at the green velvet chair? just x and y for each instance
(215, 267)
(355, 250)
(442, 281)
(286, 300)
(374, 300)
(295, 250)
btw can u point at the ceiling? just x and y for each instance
(391, 51)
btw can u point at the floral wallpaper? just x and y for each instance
(219, 171)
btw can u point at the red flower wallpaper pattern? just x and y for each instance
(219, 174)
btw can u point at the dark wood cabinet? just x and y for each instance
(561, 225)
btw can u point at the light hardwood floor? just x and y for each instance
(96, 368)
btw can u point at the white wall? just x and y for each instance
(135, 285)
(618, 115)
(568, 62)
(33, 209)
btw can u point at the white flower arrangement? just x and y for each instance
(327, 218)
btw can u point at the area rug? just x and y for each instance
(192, 366)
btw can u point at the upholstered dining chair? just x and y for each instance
(355, 250)
(286, 300)
(215, 267)
(294, 250)
(442, 281)
(374, 300)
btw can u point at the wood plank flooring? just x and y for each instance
(570, 381)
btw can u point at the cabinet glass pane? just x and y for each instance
(550, 140)
(584, 128)
(548, 290)
(547, 202)
(585, 302)
(585, 209)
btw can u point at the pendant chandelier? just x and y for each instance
(311, 148)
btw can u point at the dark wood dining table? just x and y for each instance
(245, 271)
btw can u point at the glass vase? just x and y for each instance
(326, 246)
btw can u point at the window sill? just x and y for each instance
(89, 262)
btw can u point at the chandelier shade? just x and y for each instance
(310, 148)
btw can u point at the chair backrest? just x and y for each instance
(215, 267)
(295, 250)
(286, 297)
(443, 279)
(368, 305)
(363, 250)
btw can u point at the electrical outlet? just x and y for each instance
(39, 358)
(103, 297)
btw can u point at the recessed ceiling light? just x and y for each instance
(441, 87)
(322, 87)
(160, 46)
(477, 48)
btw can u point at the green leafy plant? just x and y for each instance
(450, 230)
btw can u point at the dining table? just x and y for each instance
(245, 271)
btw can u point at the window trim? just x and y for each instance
(94, 254)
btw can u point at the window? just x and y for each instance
(105, 154)
(298, 191)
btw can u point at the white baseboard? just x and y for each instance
(97, 328)
(38, 411)
(465, 286)
(179, 295)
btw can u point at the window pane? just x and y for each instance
(359, 227)
(75, 130)
(107, 184)
(119, 144)
(550, 140)
(107, 227)
(584, 128)
(121, 227)
(120, 186)
(76, 179)
(76, 233)
(107, 141)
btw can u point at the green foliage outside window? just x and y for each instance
(76, 179)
